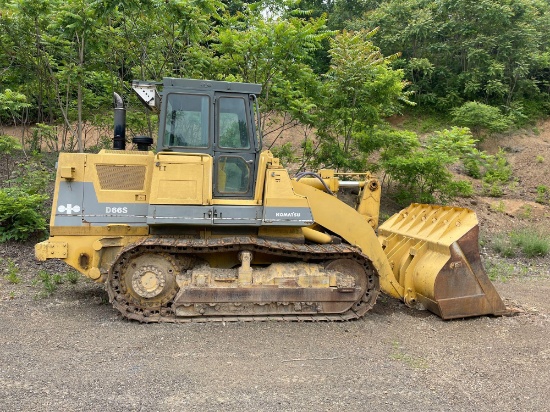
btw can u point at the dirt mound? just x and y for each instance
(522, 205)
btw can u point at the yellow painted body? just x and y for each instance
(434, 254)
(129, 177)
(413, 249)
(336, 216)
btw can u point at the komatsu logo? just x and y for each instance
(68, 209)
(287, 214)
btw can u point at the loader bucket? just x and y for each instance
(434, 255)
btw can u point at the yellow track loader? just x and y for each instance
(212, 228)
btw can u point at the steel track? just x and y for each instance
(176, 246)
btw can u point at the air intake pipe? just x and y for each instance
(119, 140)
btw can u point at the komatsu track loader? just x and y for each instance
(212, 228)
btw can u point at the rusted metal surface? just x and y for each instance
(250, 303)
(434, 254)
(462, 288)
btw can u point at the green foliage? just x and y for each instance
(277, 54)
(50, 282)
(423, 122)
(43, 135)
(526, 212)
(285, 153)
(31, 178)
(499, 207)
(8, 146)
(529, 242)
(421, 173)
(12, 103)
(532, 243)
(498, 172)
(359, 90)
(22, 201)
(453, 51)
(11, 271)
(482, 119)
(72, 277)
(502, 245)
(502, 271)
(542, 194)
(60, 61)
(21, 214)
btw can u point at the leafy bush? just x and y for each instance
(503, 246)
(421, 174)
(32, 178)
(497, 173)
(8, 146)
(542, 194)
(41, 135)
(22, 201)
(20, 214)
(480, 118)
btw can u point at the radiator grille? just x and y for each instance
(113, 177)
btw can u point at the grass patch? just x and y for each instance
(499, 207)
(502, 245)
(425, 122)
(526, 212)
(414, 362)
(72, 277)
(532, 243)
(12, 271)
(50, 282)
(502, 271)
(527, 242)
(542, 194)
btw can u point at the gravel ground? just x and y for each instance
(72, 352)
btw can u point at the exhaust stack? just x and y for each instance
(119, 140)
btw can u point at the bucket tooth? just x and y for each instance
(434, 254)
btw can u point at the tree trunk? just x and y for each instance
(79, 95)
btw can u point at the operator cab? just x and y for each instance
(215, 118)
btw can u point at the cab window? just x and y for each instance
(232, 124)
(187, 120)
(233, 175)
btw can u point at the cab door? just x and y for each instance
(235, 147)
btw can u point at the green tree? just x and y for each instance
(357, 93)
(420, 172)
(464, 50)
(277, 54)
(23, 58)
(12, 105)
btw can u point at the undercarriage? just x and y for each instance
(171, 279)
